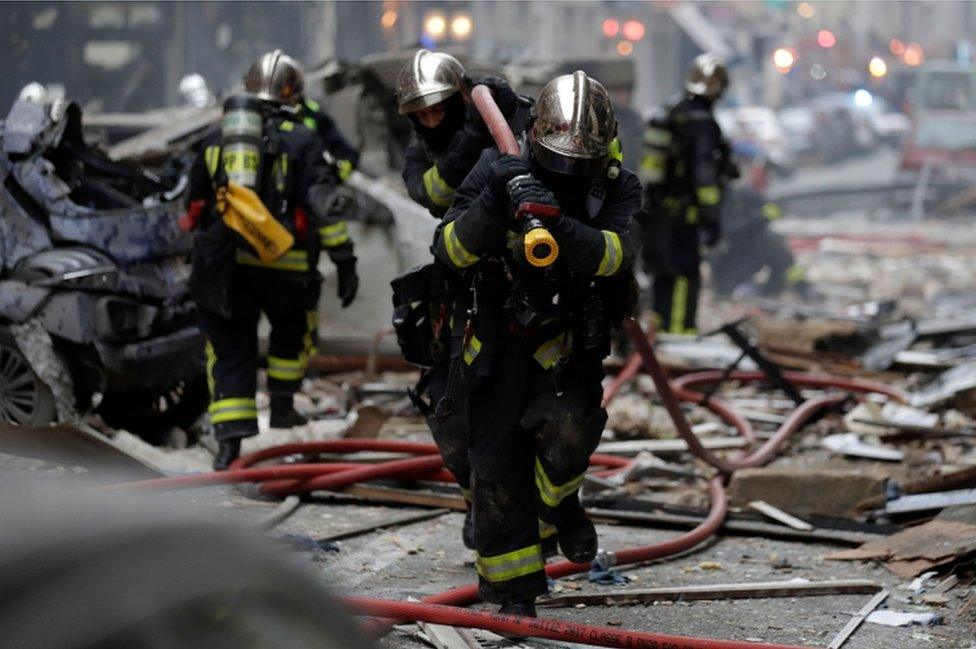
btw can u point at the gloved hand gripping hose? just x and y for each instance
(541, 249)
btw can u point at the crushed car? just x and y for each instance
(94, 308)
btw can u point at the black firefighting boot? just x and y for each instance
(467, 532)
(577, 537)
(525, 609)
(283, 413)
(228, 451)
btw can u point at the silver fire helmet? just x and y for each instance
(429, 78)
(276, 77)
(33, 92)
(574, 125)
(707, 76)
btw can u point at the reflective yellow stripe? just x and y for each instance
(310, 123)
(456, 251)
(439, 191)
(233, 409)
(795, 274)
(518, 563)
(466, 493)
(311, 329)
(550, 352)
(679, 300)
(211, 156)
(211, 363)
(293, 260)
(546, 530)
(472, 350)
(616, 150)
(707, 195)
(691, 216)
(311, 104)
(657, 137)
(772, 211)
(345, 169)
(286, 126)
(287, 369)
(613, 254)
(334, 235)
(553, 494)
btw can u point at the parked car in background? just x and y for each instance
(759, 127)
(800, 125)
(945, 140)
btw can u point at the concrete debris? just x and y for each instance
(851, 445)
(825, 492)
(901, 618)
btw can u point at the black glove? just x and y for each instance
(504, 169)
(462, 154)
(505, 97)
(711, 233)
(348, 281)
(527, 189)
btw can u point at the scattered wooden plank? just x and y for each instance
(406, 496)
(747, 528)
(946, 584)
(449, 637)
(779, 515)
(634, 447)
(755, 590)
(856, 621)
(396, 521)
(925, 502)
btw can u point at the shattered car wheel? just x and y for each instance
(24, 398)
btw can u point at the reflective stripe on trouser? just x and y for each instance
(510, 565)
(295, 261)
(676, 302)
(233, 409)
(287, 369)
(554, 494)
(334, 235)
(546, 529)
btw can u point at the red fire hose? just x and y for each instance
(303, 478)
(494, 120)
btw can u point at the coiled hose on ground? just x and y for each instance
(282, 480)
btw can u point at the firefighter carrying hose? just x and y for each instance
(433, 91)
(685, 169)
(262, 206)
(276, 74)
(530, 333)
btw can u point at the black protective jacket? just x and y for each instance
(319, 122)
(697, 170)
(431, 177)
(295, 184)
(598, 235)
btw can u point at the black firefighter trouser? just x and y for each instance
(532, 432)
(677, 279)
(289, 300)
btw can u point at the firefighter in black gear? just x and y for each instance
(433, 91)
(278, 77)
(529, 341)
(686, 166)
(260, 147)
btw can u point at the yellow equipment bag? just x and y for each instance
(243, 211)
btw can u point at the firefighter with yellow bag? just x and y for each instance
(262, 208)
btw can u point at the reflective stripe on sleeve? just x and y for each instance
(439, 191)
(456, 251)
(553, 350)
(211, 156)
(550, 493)
(707, 195)
(546, 529)
(518, 563)
(233, 409)
(613, 254)
(334, 235)
(472, 350)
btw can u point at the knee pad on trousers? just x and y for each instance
(567, 428)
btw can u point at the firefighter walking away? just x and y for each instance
(686, 166)
(264, 205)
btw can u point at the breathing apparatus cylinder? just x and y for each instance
(241, 127)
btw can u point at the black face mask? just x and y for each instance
(439, 137)
(569, 189)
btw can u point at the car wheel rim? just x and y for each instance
(18, 388)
